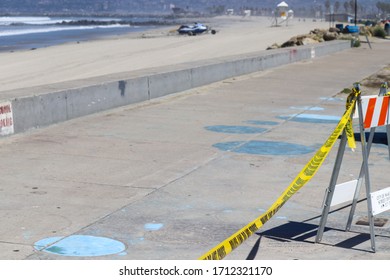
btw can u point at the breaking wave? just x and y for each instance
(47, 29)
(12, 26)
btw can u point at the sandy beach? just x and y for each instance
(80, 60)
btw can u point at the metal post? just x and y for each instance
(332, 186)
(388, 137)
(360, 180)
(383, 92)
(366, 175)
(383, 89)
(368, 41)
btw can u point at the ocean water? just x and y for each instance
(18, 33)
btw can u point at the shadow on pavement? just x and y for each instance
(305, 232)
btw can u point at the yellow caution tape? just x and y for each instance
(349, 128)
(228, 245)
(383, 89)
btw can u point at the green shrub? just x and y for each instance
(346, 91)
(356, 43)
(379, 31)
(365, 31)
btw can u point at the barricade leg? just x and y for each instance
(360, 181)
(366, 175)
(332, 185)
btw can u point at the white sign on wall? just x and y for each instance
(6, 119)
(380, 201)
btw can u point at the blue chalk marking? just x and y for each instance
(153, 227)
(261, 122)
(308, 108)
(42, 244)
(27, 235)
(80, 246)
(281, 218)
(332, 99)
(235, 129)
(264, 148)
(311, 118)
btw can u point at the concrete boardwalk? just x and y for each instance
(155, 177)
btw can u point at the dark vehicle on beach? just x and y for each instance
(196, 28)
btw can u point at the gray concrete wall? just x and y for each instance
(42, 106)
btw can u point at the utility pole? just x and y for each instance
(355, 12)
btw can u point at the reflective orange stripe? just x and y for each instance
(384, 109)
(370, 112)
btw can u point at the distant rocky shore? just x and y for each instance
(333, 33)
(313, 37)
(145, 22)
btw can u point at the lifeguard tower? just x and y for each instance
(282, 14)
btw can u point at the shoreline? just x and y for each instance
(141, 50)
(33, 32)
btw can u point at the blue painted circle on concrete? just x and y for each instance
(235, 129)
(153, 226)
(311, 118)
(264, 148)
(80, 246)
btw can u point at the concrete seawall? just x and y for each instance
(41, 106)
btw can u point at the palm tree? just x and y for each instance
(327, 5)
(346, 6)
(336, 6)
